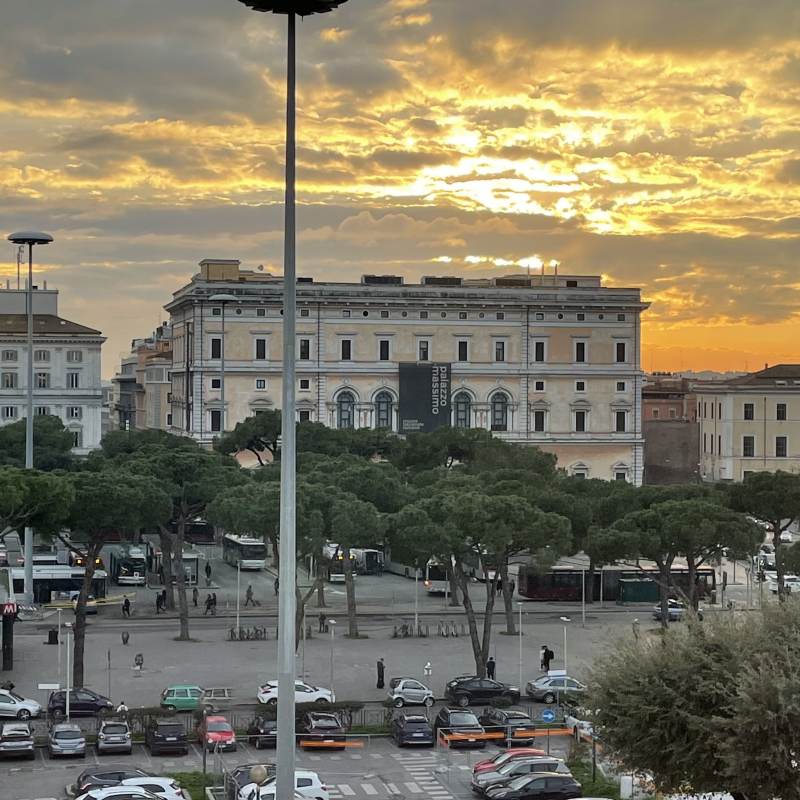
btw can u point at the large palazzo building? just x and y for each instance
(551, 361)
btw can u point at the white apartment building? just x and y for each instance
(66, 364)
(549, 361)
(750, 424)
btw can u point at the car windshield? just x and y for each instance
(463, 718)
(68, 735)
(519, 722)
(15, 735)
(417, 723)
(170, 730)
(15, 696)
(326, 722)
(219, 727)
(115, 728)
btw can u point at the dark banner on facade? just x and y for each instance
(424, 397)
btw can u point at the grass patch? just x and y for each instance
(196, 782)
(580, 763)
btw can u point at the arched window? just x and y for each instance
(383, 410)
(345, 408)
(500, 412)
(462, 410)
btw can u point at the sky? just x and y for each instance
(653, 142)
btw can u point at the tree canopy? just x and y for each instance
(52, 444)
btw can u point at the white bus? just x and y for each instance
(246, 551)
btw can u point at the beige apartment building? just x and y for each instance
(552, 361)
(750, 424)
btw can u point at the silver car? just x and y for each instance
(16, 740)
(66, 739)
(409, 692)
(16, 707)
(482, 781)
(114, 737)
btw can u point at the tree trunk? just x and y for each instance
(508, 602)
(780, 569)
(276, 560)
(691, 574)
(477, 652)
(302, 601)
(180, 580)
(488, 616)
(453, 581)
(79, 640)
(664, 572)
(349, 585)
(165, 540)
(320, 583)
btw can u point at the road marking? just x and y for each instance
(368, 788)
(392, 788)
(413, 787)
(345, 789)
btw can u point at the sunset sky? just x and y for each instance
(655, 142)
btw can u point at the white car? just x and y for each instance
(306, 783)
(164, 788)
(790, 582)
(303, 693)
(17, 707)
(118, 793)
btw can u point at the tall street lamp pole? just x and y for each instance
(519, 685)
(29, 238)
(565, 620)
(284, 784)
(332, 626)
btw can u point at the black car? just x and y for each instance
(471, 689)
(105, 776)
(411, 729)
(82, 703)
(541, 786)
(239, 777)
(462, 723)
(513, 724)
(263, 732)
(166, 736)
(321, 730)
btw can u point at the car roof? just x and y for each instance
(216, 718)
(183, 686)
(414, 717)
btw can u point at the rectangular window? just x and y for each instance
(9, 412)
(424, 350)
(216, 421)
(719, 445)
(712, 444)
(384, 315)
(705, 442)
(580, 352)
(261, 349)
(620, 421)
(41, 355)
(781, 447)
(620, 476)
(75, 356)
(749, 411)
(73, 379)
(500, 351)
(261, 312)
(169, 419)
(539, 315)
(383, 349)
(580, 421)
(345, 312)
(423, 315)
(538, 352)
(347, 349)
(9, 355)
(673, 413)
(620, 351)
(303, 312)
(620, 318)
(655, 413)
(705, 410)
(719, 411)
(261, 384)
(216, 312)
(462, 314)
(305, 415)
(305, 384)
(620, 386)
(305, 349)
(501, 315)
(538, 386)
(216, 347)
(463, 351)
(712, 411)
(748, 446)
(9, 380)
(581, 317)
(43, 380)
(780, 411)
(580, 386)
(41, 411)
(538, 421)
(216, 383)
(74, 412)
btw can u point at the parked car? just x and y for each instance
(509, 755)
(82, 703)
(471, 689)
(217, 733)
(541, 786)
(550, 688)
(316, 726)
(217, 698)
(118, 793)
(303, 693)
(263, 732)
(676, 611)
(17, 707)
(164, 788)
(240, 777)
(181, 698)
(307, 785)
(106, 775)
(165, 736)
(513, 725)
(409, 692)
(464, 723)
(66, 739)
(91, 602)
(411, 729)
(790, 582)
(114, 737)
(503, 775)
(16, 740)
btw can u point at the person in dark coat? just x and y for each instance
(164, 599)
(381, 667)
(277, 586)
(549, 655)
(158, 603)
(490, 667)
(195, 595)
(322, 619)
(126, 607)
(214, 603)
(248, 596)
(209, 604)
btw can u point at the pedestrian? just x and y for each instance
(381, 671)
(322, 619)
(122, 710)
(158, 602)
(126, 607)
(427, 670)
(164, 600)
(208, 573)
(490, 667)
(277, 586)
(248, 596)
(549, 655)
(214, 604)
(195, 595)
(542, 651)
(209, 604)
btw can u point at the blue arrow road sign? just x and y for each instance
(548, 715)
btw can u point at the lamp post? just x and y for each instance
(332, 625)
(223, 300)
(59, 648)
(68, 626)
(416, 601)
(284, 784)
(238, 593)
(29, 238)
(565, 620)
(519, 631)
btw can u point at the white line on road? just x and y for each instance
(368, 788)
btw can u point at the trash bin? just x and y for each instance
(713, 597)
(52, 636)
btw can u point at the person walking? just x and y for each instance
(322, 620)
(277, 586)
(549, 655)
(208, 573)
(195, 595)
(248, 596)
(164, 600)
(542, 651)
(209, 604)
(381, 667)
(214, 604)
(158, 603)
(490, 667)
(122, 711)
(126, 607)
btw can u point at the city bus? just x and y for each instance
(368, 561)
(335, 558)
(51, 581)
(191, 564)
(128, 565)
(247, 552)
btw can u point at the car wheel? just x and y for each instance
(170, 709)
(24, 714)
(322, 701)
(463, 700)
(549, 698)
(273, 701)
(102, 713)
(429, 702)
(399, 702)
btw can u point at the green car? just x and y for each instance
(181, 698)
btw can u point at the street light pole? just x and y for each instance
(238, 593)
(69, 677)
(416, 601)
(29, 238)
(565, 620)
(59, 647)
(332, 625)
(519, 605)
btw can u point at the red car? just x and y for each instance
(217, 733)
(504, 757)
